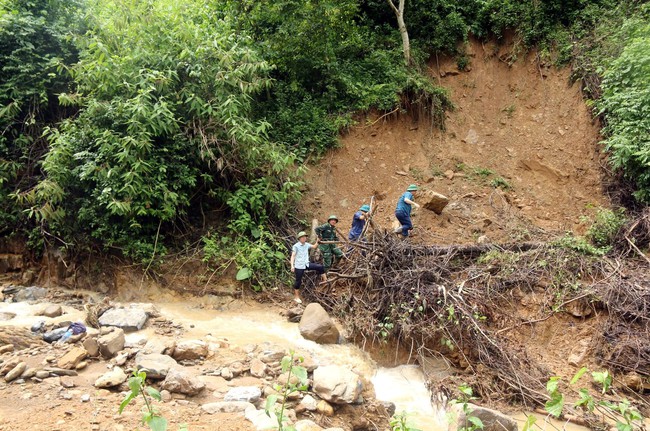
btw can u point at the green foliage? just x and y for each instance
(400, 422)
(606, 226)
(150, 414)
(288, 366)
(625, 103)
(259, 259)
(471, 422)
(580, 245)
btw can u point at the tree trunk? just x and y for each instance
(399, 13)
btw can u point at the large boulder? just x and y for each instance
(181, 382)
(190, 349)
(337, 384)
(318, 326)
(115, 377)
(111, 343)
(433, 201)
(492, 420)
(20, 338)
(53, 310)
(129, 319)
(155, 365)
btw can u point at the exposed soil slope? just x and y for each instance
(521, 123)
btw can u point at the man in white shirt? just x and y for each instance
(300, 263)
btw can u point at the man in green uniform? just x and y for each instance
(327, 232)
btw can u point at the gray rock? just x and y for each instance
(129, 319)
(31, 293)
(190, 350)
(6, 315)
(260, 420)
(54, 335)
(317, 325)
(157, 345)
(38, 326)
(250, 394)
(181, 382)
(28, 373)
(271, 353)
(308, 403)
(337, 384)
(111, 343)
(492, 420)
(115, 377)
(226, 373)
(42, 374)
(156, 366)
(226, 407)
(54, 310)
(16, 372)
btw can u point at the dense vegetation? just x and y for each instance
(124, 124)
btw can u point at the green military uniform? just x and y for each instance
(327, 232)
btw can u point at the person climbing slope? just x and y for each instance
(403, 210)
(358, 223)
(300, 263)
(327, 232)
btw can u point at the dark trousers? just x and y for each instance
(320, 269)
(405, 220)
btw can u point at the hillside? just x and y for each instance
(514, 120)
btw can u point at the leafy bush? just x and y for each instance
(606, 226)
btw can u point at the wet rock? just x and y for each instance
(258, 368)
(31, 293)
(156, 366)
(308, 403)
(6, 315)
(72, 358)
(337, 384)
(433, 201)
(294, 314)
(92, 346)
(6, 348)
(115, 377)
(111, 343)
(250, 394)
(325, 408)
(271, 353)
(190, 350)
(181, 382)
(317, 325)
(260, 420)
(128, 319)
(307, 425)
(15, 372)
(227, 407)
(54, 335)
(492, 420)
(54, 310)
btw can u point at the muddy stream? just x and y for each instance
(251, 323)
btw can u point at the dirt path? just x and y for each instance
(521, 126)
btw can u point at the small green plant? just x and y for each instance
(150, 414)
(483, 172)
(500, 183)
(416, 173)
(580, 245)
(605, 227)
(470, 422)
(384, 329)
(462, 62)
(289, 367)
(509, 110)
(626, 417)
(400, 422)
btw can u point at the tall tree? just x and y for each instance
(399, 13)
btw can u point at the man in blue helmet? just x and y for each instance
(358, 223)
(403, 210)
